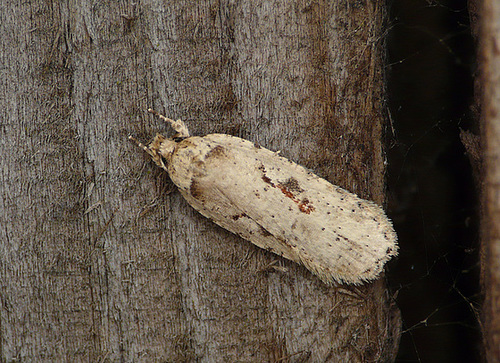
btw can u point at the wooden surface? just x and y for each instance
(100, 258)
(490, 112)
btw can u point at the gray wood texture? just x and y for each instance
(100, 258)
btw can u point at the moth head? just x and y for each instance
(161, 147)
(153, 149)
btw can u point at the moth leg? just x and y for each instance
(179, 125)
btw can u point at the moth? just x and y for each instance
(277, 204)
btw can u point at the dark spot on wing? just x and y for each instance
(265, 232)
(196, 191)
(289, 188)
(238, 216)
(285, 191)
(305, 207)
(292, 185)
(217, 152)
(267, 180)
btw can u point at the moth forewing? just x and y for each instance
(280, 206)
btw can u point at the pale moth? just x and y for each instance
(277, 204)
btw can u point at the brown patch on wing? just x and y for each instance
(285, 191)
(238, 216)
(289, 188)
(305, 207)
(196, 191)
(304, 204)
(265, 177)
(292, 185)
(217, 152)
(267, 180)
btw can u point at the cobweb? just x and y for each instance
(432, 197)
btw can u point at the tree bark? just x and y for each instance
(490, 251)
(101, 259)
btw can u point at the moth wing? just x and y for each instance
(230, 214)
(280, 206)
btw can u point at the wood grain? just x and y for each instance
(99, 259)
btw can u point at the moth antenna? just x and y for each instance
(141, 145)
(179, 125)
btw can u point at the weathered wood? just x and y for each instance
(101, 259)
(490, 115)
